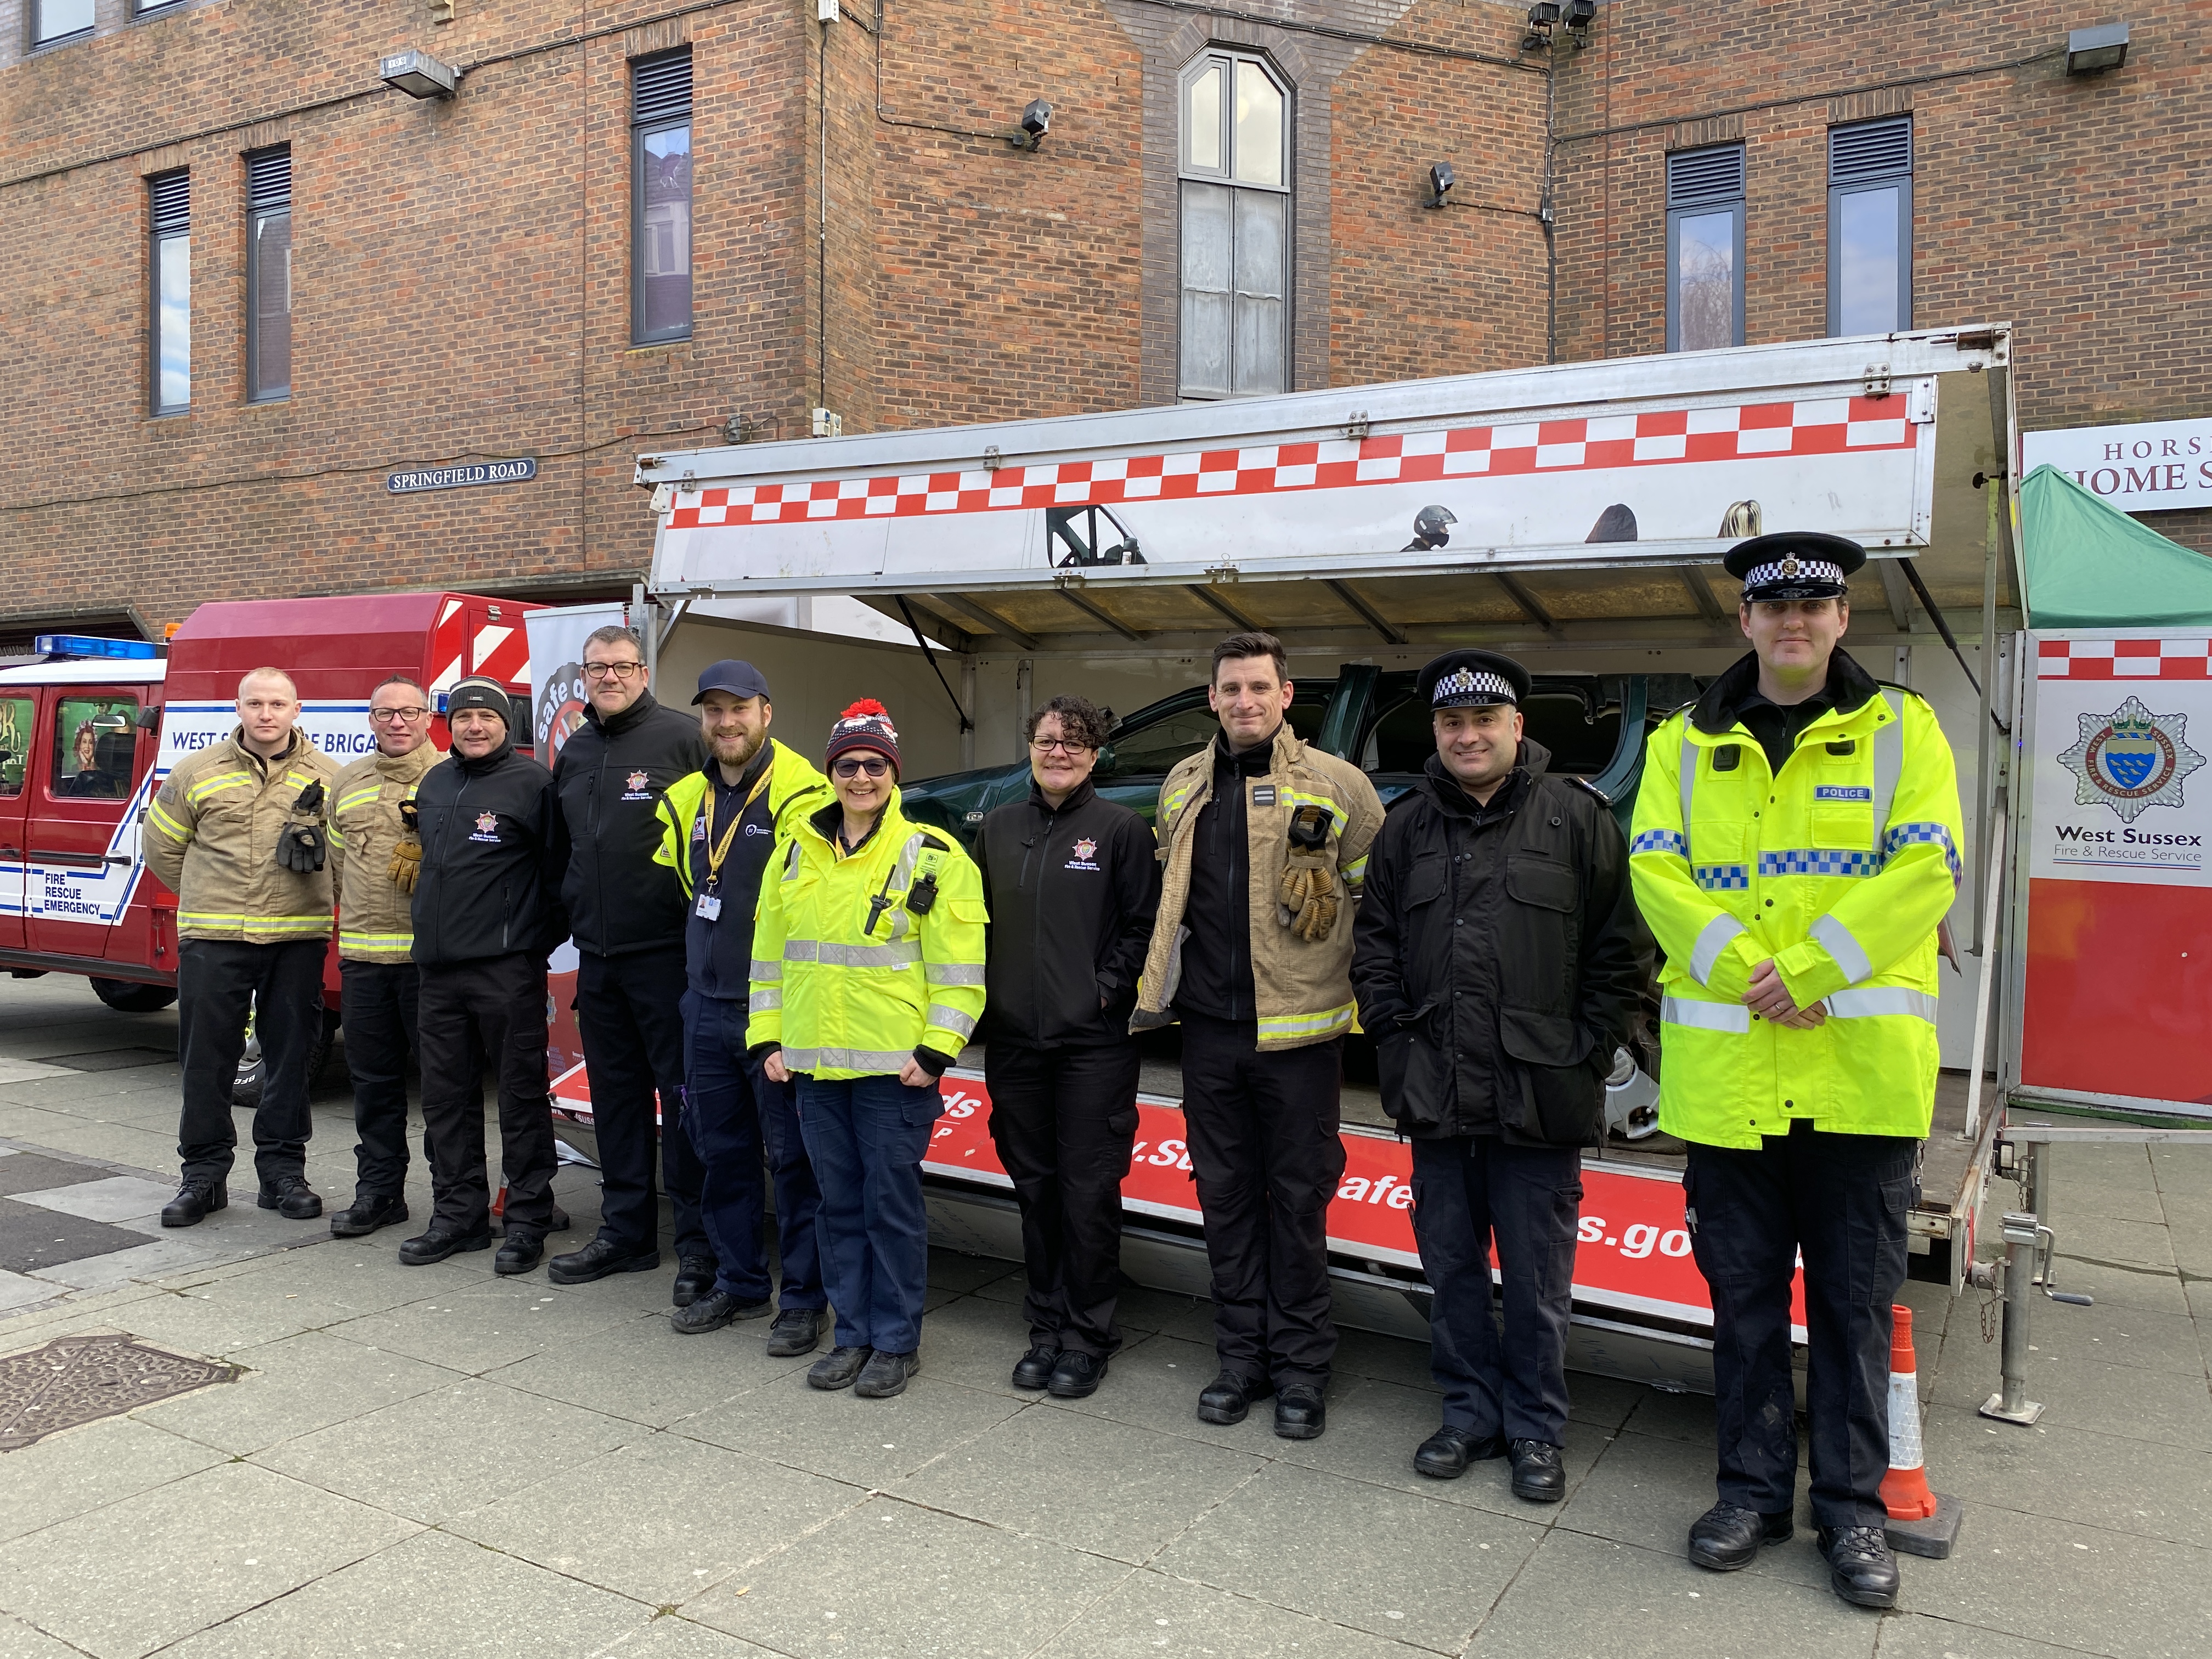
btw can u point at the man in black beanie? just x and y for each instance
(486, 917)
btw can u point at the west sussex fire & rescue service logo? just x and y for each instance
(2131, 760)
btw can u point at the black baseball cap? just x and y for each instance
(739, 680)
(1794, 564)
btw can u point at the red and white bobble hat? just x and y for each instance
(866, 725)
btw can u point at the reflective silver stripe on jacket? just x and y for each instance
(1888, 767)
(769, 970)
(1882, 999)
(1713, 940)
(761, 1001)
(892, 1061)
(901, 953)
(1850, 956)
(953, 972)
(951, 1020)
(1730, 1017)
(1689, 769)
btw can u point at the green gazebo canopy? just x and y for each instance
(2090, 565)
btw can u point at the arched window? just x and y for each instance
(1236, 228)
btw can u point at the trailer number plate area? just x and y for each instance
(1633, 1251)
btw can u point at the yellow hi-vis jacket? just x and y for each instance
(794, 788)
(1840, 870)
(211, 834)
(376, 918)
(851, 986)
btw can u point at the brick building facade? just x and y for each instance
(463, 279)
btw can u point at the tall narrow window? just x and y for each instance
(660, 225)
(1236, 228)
(172, 287)
(1870, 228)
(59, 20)
(268, 274)
(1704, 249)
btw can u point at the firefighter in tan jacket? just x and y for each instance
(375, 852)
(1265, 841)
(238, 831)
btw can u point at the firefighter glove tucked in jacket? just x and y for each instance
(376, 851)
(301, 848)
(1310, 821)
(864, 960)
(1838, 868)
(212, 834)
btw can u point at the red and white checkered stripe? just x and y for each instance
(2186, 659)
(1829, 426)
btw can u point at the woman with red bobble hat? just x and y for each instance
(867, 981)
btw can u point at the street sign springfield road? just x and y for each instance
(2118, 970)
(460, 477)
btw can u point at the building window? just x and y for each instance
(1704, 249)
(660, 227)
(1870, 228)
(268, 274)
(55, 20)
(172, 287)
(1236, 228)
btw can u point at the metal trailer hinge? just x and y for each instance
(1876, 380)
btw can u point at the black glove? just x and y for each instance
(411, 817)
(311, 800)
(300, 849)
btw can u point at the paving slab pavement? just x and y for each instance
(441, 1461)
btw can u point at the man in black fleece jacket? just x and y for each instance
(1073, 886)
(485, 917)
(626, 913)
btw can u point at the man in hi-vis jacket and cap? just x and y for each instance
(1796, 844)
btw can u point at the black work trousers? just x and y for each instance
(629, 1010)
(1064, 1121)
(377, 1002)
(494, 1007)
(1843, 1200)
(220, 985)
(1468, 1189)
(1264, 1150)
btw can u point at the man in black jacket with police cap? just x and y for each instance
(628, 914)
(1497, 963)
(485, 918)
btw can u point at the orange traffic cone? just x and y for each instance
(1921, 1522)
(1905, 1488)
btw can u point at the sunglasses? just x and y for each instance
(874, 765)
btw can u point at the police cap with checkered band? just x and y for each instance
(1473, 679)
(1794, 564)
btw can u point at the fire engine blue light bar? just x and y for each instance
(85, 645)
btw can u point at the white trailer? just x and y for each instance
(1577, 513)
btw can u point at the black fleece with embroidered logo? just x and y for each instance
(486, 886)
(609, 779)
(1072, 892)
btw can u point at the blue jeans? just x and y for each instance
(866, 1136)
(732, 1113)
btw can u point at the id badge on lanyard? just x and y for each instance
(710, 906)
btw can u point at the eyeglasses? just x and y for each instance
(1060, 745)
(874, 765)
(397, 716)
(621, 670)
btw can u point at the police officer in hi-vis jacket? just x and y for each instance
(1795, 846)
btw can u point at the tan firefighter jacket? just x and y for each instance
(1301, 991)
(375, 919)
(211, 835)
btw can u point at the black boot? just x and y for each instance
(200, 1197)
(519, 1252)
(291, 1197)
(1727, 1535)
(1034, 1369)
(1300, 1413)
(1445, 1454)
(796, 1331)
(1229, 1396)
(1861, 1568)
(1538, 1475)
(597, 1259)
(439, 1242)
(368, 1214)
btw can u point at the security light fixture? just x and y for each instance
(1541, 17)
(1440, 183)
(1037, 121)
(1577, 14)
(417, 74)
(2091, 52)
